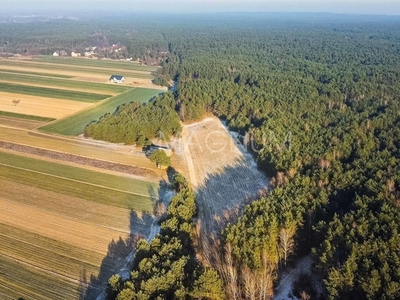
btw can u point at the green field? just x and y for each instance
(51, 92)
(26, 117)
(109, 64)
(62, 83)
(75, 124)
(75, 68)
(82, 183)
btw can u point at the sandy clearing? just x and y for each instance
(222, 172)
(40, 106)
(211, 147)
(84, 235)
(20, 123)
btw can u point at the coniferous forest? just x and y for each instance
(319, 96)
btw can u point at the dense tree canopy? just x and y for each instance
(318, 98)
(137, 123)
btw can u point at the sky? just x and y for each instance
(376, 7)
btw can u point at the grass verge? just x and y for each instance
(26, 117)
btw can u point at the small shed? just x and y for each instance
(166, 150)
(117, 78)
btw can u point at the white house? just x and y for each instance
(55, 54)
(117, 78)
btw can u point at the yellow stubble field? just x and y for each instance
(40, 106)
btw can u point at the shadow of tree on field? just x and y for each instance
(230, 189)
(116, 258)
(119, 258)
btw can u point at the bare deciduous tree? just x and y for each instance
(286, 240)
(249, 283)
(230, 273)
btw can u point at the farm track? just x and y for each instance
(126, 169)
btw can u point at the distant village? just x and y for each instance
(113, 51)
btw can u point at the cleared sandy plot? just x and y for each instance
(40, 106)
(223, 174)
(20, 123)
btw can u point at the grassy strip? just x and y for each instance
(36, 73)
(86, 177)
(62, 83)
(26, 117)
(113, 64)
(30, 283)
(77, 189)
(78, 69)
(75, 124)
(51, 92)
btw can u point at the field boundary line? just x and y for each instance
(74, 180)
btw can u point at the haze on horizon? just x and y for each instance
(374, 7)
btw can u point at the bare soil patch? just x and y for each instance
(223, 174)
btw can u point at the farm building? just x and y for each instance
(154, 148)
(117, 78)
